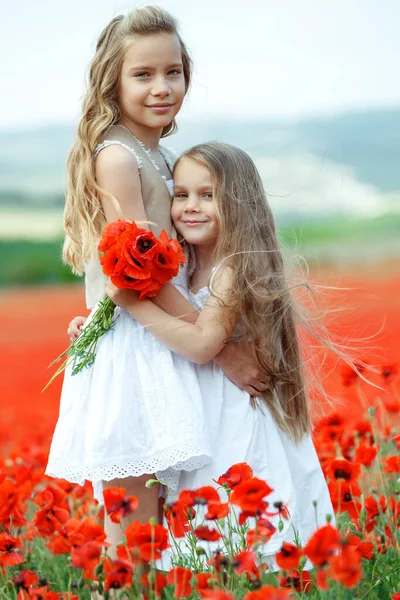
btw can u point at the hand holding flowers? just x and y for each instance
(134, 259)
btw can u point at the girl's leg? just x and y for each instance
(148, 507)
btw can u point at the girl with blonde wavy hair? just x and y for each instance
(238, 283)
(137, 411)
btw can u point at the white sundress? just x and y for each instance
(241, 433)
(137, 410)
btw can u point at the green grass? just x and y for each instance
(31, 263)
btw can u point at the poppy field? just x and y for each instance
(52, 543)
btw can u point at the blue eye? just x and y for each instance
(142, 75)
(174, 72)
(207, 195)
(180, 196)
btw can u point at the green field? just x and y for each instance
(26, 262)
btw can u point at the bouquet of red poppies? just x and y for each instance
(132, 258)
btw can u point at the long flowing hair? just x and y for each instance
(83, 216)
(260, 299)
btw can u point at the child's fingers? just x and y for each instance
(75, 326)
(260, 386)
(256, 387)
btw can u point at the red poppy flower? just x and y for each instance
(147, 540)
(235, 475)
(268, 592)
(365, 455)
(396, 440)
(216, 510)
(205, 533)
(300, 582)
(366, 550)
(59, 544)
(245, 562)
(289, 556)
(340, 468)
(246, 514)
(143, 244)
(118, 504)
(261, 534)
(344, 498)
(82, 532)
(351, 374)
(333, 420)
(322, 545)
(396, 596)
(249, 494)
(187, 497)
(391, 403)
(363, 428)
(11, 504)
(389, 371)
(25, 579)
(279, 509)
(10, 551)
(51, 517)
(346, 567)
(87, 557)
(112, 232)
(177, 516)
(135, 259)
(118, 574)
(166, 259)
(205, 495)
(113, 264)
(392, 464)
(181, 578)
(205, 582)
(373, 510)
(154, 582)
(52, 495)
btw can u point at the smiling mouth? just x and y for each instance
(193, 223)
(159, 105)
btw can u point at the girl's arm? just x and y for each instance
(117, 173)
(198, 342)
(170, 300)
(235, 359)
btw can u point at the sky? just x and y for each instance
(253, 58)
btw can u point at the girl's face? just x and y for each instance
(151, 83)
(194, 208)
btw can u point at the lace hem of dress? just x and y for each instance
(184, 458)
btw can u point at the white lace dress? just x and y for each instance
(137, 410)
(241, 433)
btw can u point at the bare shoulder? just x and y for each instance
(115, 157)
(222, 280)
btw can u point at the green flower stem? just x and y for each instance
(82, 351)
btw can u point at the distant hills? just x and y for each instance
(340, 164)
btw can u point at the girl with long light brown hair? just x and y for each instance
(129, 416)
(238, 283)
